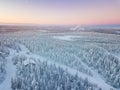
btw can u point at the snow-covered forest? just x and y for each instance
(35, 60)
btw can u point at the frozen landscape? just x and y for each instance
(59, 58)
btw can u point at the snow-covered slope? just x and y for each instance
(10, 72)
(93, 57)
(11, 69)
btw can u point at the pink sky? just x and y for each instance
(60, 11)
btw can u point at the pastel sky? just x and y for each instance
(60, 11)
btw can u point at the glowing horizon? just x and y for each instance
(60, 11)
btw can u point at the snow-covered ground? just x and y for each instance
(39, 43)
(67, 38)
(96, 79)
(11, 69)
(10, 72)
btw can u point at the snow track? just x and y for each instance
(96, 79)
(10, 72)
(11, 69)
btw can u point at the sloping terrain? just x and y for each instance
(61, 61)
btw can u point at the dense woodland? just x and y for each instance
(84, 56)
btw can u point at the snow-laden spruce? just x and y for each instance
(4, 52)
(36, 75)
(93, 56)
(80, 56)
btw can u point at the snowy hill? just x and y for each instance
(31, 60)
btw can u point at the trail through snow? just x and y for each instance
(11, 69)
(10, 72)
(96, 79)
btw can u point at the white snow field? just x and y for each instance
(10, 72)
(61, 61)
(67, 38)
